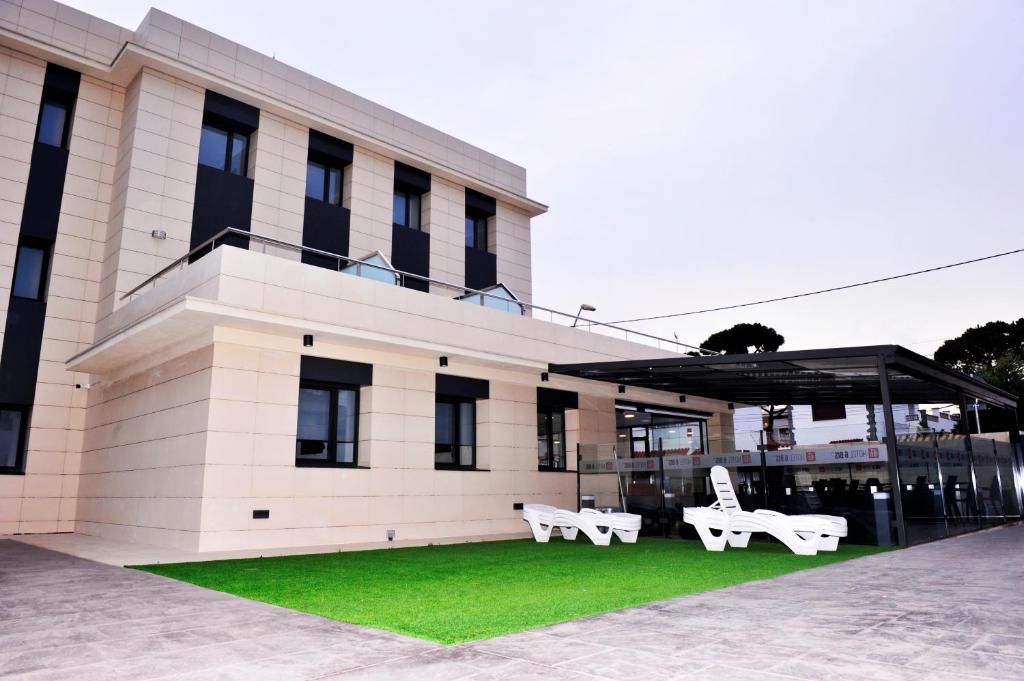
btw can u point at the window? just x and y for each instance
(454, 432)
(328, 425)
(828, 412)
(30, 270)
(476, 230)
(224, 149)
(551, 440)
(12, 439)
(323, 182)
(407, 209)
(54, 121)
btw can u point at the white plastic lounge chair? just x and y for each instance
(596, 526)
(803, 534)
(541, 519)
(626, 526)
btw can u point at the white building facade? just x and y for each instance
(271, 392)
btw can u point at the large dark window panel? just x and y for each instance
(828, 412)
(328, 425)
(407, 209)
(30, 269)
(551, 440)
(454, 432)
(12, 429)
(224, 149)
(54, 121)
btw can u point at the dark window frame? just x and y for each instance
(44, 275)
(231, 130)
(457, 445)
(407, 193)
(480, 220)
(332, 427)
(67, 102)
(20, 449)
(328, 164)
(548, 415)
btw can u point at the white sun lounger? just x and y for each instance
(598, 527)
(803, 534)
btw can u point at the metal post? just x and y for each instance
(764, 468)
(969, 448)
(579, 493)
(1018, 461)
(891, 451)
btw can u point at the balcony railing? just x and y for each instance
(342, 262)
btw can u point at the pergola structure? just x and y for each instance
(877, 374)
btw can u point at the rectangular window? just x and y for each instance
(54, 121)
(224, 149)
(12, 439)
(551, 440)
(30, 271)
(406, 209)
(454, 432)
(328, 425)
(323, 182)
(476, 231)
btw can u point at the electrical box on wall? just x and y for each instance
(261, 514)
(517, 506)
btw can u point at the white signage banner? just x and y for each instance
(832, 454)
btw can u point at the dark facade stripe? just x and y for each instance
(23, 332)
(222, 200)
(461, 386)
(331, 147)
(481, 268)
(550, 398)
(410, 252)
(232, 110)
(481, 203)
(413, 179)
(326, 228)
(335, 371)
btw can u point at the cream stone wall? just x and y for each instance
(21, 86)
(154, 185)
(444, 215)
(512, 246)
(370, 190)
(279, 181)
(144, 454)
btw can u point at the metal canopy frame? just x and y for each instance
(826, 376)
(874, 374)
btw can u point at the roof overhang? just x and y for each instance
(824, 376)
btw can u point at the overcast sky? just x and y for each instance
(704, 154)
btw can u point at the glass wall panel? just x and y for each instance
(958, 496)
(1005, 462)
(921, 492)
(990, 493)
(314, 424)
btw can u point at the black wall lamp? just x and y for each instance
(444, 361)
(307, 340)
(544, 376)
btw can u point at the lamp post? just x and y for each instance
(583, 308)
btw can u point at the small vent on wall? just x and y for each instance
(261, 514)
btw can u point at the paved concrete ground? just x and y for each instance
(945, 611)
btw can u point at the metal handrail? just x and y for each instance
(345, 261)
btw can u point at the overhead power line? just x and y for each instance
(819, 291)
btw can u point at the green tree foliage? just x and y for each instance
(742, 337)
(980, 348)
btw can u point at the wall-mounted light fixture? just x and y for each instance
(158, 234)
(544, 376)
(682, 398)
(444, 361)
(731, 406)
(622, 388)
(307, 340)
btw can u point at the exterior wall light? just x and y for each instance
(307, 340)
(622, 388)
(544, 376)
(682, 398)
(158, 234)
(444, 361)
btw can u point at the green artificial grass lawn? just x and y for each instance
(464, 592)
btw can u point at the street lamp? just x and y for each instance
(583, 308)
